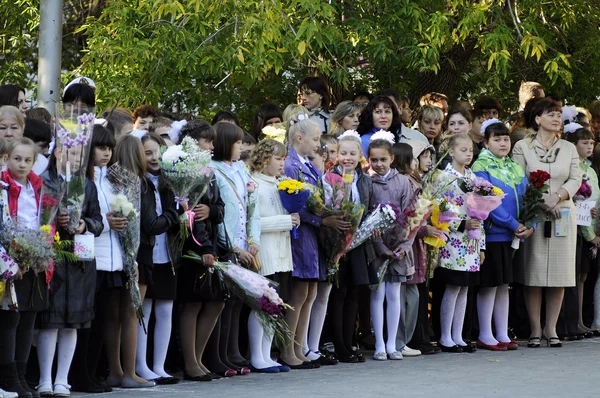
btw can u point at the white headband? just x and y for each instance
(488, 123)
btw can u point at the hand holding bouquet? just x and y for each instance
(382, 218)
(293, 197)
(443, 212)
(185, 169)
(533, 200)
(127, 205)
(481, 198)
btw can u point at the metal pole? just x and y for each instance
(50, 53)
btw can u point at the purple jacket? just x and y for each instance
(305, 250)
(395, 189)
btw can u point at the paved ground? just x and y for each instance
(571, 371)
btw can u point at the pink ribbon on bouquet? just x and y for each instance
(190, 222)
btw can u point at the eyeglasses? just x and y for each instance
(306, 93)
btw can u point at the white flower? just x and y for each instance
(126, 209)
(384, 135)
(349, 134)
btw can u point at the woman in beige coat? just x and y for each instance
(549, 258)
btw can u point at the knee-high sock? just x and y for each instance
(163, 314)
(459, 316)
(46, 348)
(24, 335)
(67, 341)
(392, 296)
(447, 314)
(317, 317)
(377, 297)
(256, 337)
(141, 359)
(485, 307)
(8, 334)
(501, 314)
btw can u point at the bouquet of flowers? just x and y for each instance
(185, 169)
(293, 197)
(255, 291)
(415, 214)
(275, 132)
(533, 199)
(338, 202)
(382, 218)
(443, 212)
(127, 205)
(481, 198)
(29, 248)
(585, 190)
(73, 143)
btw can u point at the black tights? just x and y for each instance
(24, 336)
(8, 334)
(342, 313)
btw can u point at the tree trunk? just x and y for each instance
(452, 65)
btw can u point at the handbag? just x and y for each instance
(208, 286)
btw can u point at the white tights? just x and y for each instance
(47, 339)
(317, 320)
(260, 343)
(452, 315)
(390, 292)
(163, 310)
(493, 300)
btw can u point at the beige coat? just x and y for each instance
(550, 261)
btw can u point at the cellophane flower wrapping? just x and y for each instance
(338, 202)
(479, 208)
(415, 214)
(257, 292)
(73, 139)
(442, 213)
(293, 197)
(584, 191)
(50, 200)
(127, 205)
(383, 217)
(533, 199)
(185, 170)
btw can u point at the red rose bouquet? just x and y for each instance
(533, 199)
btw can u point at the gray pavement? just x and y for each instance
(570, 371)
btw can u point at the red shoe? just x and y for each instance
(510, 346)
(496, 347)
(244, 371)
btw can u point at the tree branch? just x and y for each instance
(514, 18)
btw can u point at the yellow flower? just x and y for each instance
(348, 178)
(497, 191)
(57, 237)
(46, 229)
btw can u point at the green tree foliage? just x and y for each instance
(202, 55)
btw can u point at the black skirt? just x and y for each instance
(284, 281)
(456, 278)
(71, 300)
(583, 261)
(107, 280)
(32, 292)
(187, 275)
(145, 274)
(165, 283)
(497, 269)
(354, 270)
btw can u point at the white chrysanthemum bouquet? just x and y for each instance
(185, 169)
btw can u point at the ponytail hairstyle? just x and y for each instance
(300, 124)
(452, 141)
(263, 152)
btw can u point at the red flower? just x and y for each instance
(48, 201)
(539, 178)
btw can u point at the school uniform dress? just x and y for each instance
(275, 255)
(71, 301)
(500, 257)
(393, 188)
(459, 258)
(550, 262)
(305, 251)
(206, 233)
